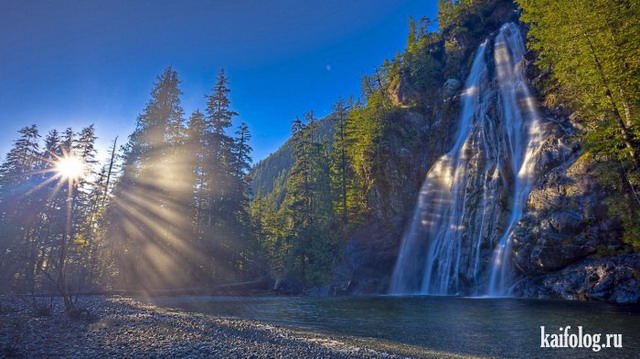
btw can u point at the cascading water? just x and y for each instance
(474, 195)
(525, 137)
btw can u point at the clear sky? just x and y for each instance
(73, 63)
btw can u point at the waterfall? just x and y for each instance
(474, 195)
(525, 137)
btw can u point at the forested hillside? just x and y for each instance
(268, 174)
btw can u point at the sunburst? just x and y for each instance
(70, 168)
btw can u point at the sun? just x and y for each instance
(70, 168)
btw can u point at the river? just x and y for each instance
(438, 326)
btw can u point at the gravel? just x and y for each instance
(120, 327)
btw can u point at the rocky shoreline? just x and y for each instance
(120, 327)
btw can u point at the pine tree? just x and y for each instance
(412, 39)
(219, 113)
(240, 196)
(218, 120)
(21, 160)
(69, 190)
(149, 216)
(242, 154)
(47, 228)
(197, 148)
(340, 168)
(240, 167)
(85, 207)
(18, 211)
(298, 200)
(307, 206)
(587, 44)
(365, 127)
(299, 184)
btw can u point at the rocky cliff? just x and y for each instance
(566, 245)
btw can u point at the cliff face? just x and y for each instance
(566, 220)
(415, 142)
(566, 245)
(420, 137)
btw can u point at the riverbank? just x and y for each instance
(117, 327)
(124, 327)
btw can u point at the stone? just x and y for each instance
(451, 88)
(610, 279)
(402, 93)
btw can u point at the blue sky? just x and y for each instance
(73, 63)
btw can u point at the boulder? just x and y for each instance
(613, 279)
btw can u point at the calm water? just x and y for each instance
(483, 327)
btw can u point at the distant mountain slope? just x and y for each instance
(271, 172)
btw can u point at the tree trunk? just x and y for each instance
(63, 285)
(635, 200)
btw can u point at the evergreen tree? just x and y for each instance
(412, 39)
(51, 224)
(218, 120)
(148, 217)
(299, 198)
(307, 206)
(240, 196)
(587, 45)
(340, 168)
(85, 196)
(18, 176)
(239, 167)
(219, 189)
(197, 147)
(242, 154)
(69, 191)
(364, 130)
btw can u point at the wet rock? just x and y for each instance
(451, 88)
(288, 286)
(369, 259)
(614, 279)
(566, 220)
